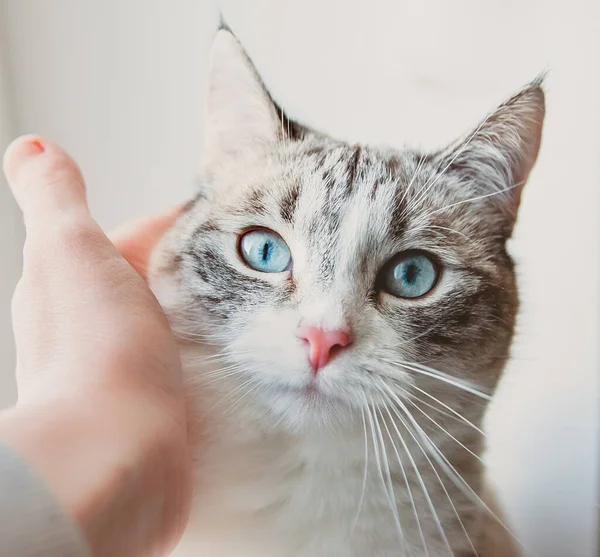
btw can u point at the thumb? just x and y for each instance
(45, 181)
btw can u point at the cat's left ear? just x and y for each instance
(497, 157)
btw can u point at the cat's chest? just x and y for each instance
(284, 479)
(297, 496)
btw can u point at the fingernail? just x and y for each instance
(31, 148)
(20, 150)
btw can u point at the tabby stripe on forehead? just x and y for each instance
(398, 223)
(255, 204)
(289, 202)
(352, 171)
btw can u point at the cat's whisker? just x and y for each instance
(409, 206)
(448, 468)
(417, 337)
(440, 375)
(200, 379)
(253, 386)
(229, 353)
(420, 479)
(461, 484)
(232, 366)
(414, 397)
(221, 400)
(446, 432)
(275, 426)
(188, 335)
(435, 227)
(441, 459)
(475, 389)
(227, 356)
(199, 338)
(181, 320)
(471, 199)
(406, 482)
(412, 180)
(429, 185)
(450, 409)
(220, 376)
(225, 362)
(365, 470)
(388, 475)
(443, 486)
(214, 359)
(380, 471)
(228, 364)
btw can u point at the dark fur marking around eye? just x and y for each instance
(197, 266)
(289, 288)
(226, 289)
(462, 319)
(204, 229)
(199, 235)
(289, 202)
(441, 339)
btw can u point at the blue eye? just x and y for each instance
(410, 275)
(265, 251)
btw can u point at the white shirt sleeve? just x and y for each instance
(32, 523)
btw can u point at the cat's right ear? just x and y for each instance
(240, 115)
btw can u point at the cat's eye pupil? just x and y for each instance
(409, 275)
(265, 251)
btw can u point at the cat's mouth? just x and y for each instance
(309, 389)
(312, 392)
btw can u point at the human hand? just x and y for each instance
(100, 412)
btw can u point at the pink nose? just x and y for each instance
(323, 345)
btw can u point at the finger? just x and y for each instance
(136, 240)
(49, 188)
(45, 181)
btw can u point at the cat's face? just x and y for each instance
(331, 277)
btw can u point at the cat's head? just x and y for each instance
(331, 276)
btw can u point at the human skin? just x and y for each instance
(100, 413)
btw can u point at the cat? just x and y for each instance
(344, 313)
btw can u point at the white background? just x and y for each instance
(119, 83)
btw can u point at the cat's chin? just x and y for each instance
(308, 406)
